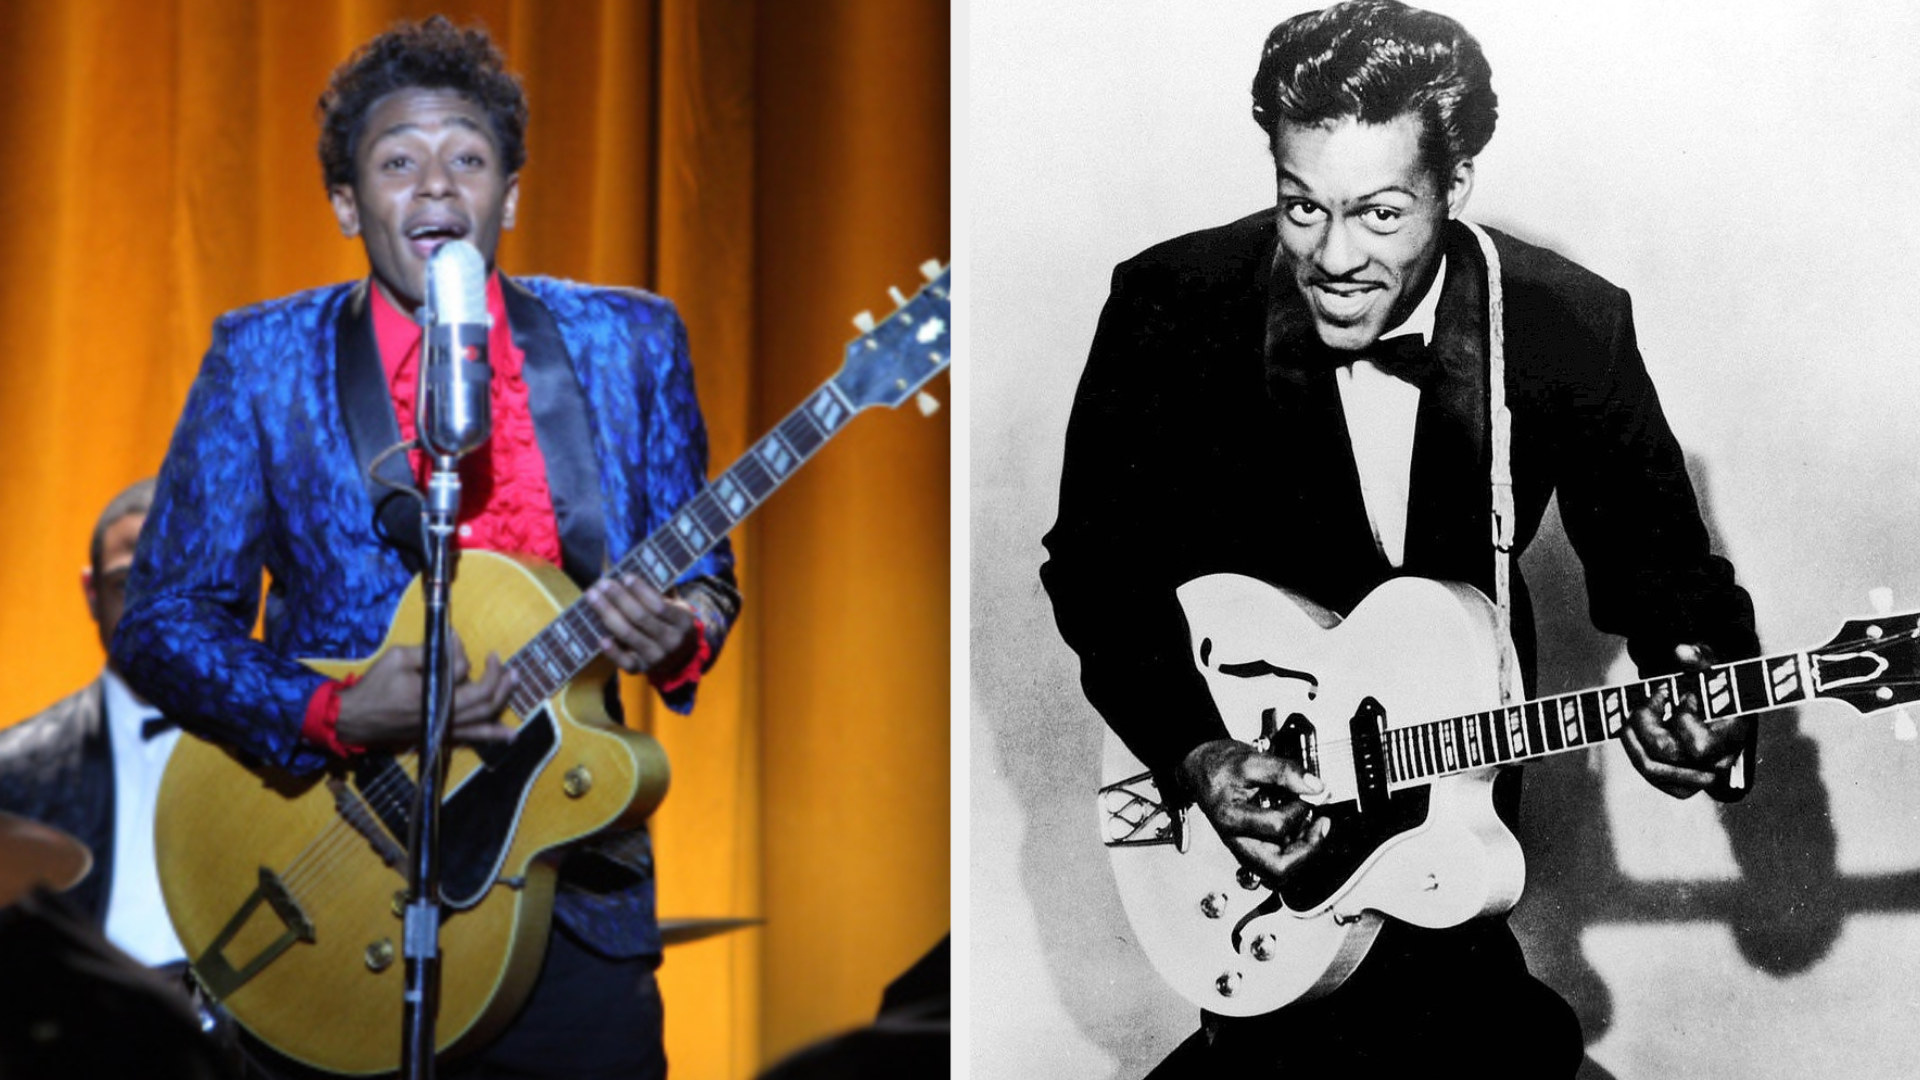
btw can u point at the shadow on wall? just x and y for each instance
(1786, 908)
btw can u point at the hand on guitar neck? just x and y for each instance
(647, 634)
(1257, 803)
(1670, 744)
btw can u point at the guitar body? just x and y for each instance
(311, 962)
(1290, 675)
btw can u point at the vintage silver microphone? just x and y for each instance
(453, 416)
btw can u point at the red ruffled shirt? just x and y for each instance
(505, 504)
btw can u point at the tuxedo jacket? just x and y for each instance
(57, 767)
(1207, 435)
(270, 468)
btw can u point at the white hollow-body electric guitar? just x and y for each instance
(1397, 709)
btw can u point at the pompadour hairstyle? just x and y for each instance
(136, 499)
(430, 55)
(1373, 61)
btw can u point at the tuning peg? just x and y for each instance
(928, 403)
(1882, 600)
(930, 269)
(864, 321)
(1903, 725)
(898, 299)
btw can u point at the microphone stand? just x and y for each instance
(451, 418)
(421, 942)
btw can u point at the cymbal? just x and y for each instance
(35, 854)
(681, 931)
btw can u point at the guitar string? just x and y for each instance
(312, 868)
(383, 798)
(337, 840)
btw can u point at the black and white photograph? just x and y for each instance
(1441, 491)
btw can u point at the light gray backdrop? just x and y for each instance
(1749, 173)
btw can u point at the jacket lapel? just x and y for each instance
(1447, 507)
(366, 408)
(562, 426)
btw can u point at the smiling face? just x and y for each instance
(427, 171)
(1360, 222)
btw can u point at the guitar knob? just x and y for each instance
(577, 782)
(1248, 879)
(1264, 947)
(379, 955)
(1228, 983)
(1213, 905)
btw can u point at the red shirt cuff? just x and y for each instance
(322, 722)
(696, 667)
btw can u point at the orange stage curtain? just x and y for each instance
(772, 167)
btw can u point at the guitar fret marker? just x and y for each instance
(1719, 696)
(1784, 681)
(776, 456)
(826, 408)
(1614, 708)
(657, 568)
(690, 532)
(732, 497)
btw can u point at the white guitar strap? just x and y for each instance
(1500, 426)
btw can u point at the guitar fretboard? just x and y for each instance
(1551, 725)
(568, 644)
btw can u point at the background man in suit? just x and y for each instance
(1246, 408)
(91, 762)
(597, 439)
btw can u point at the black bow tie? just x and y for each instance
(1405, 356)
(156, 725)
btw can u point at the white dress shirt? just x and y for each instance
(136, 916)
(1381, 410)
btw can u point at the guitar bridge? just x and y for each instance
(217, 975)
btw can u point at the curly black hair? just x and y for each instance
(1373, 61)
(434, 55)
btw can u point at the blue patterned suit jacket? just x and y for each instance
(268, 469)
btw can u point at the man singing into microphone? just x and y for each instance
(597, 439)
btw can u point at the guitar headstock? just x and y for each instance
(892, 359)
(1872, 664)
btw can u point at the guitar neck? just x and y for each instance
(1563, 722)
(568, 644)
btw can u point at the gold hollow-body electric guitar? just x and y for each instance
(1398, 710)
(287, 892)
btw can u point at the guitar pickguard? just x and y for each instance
(477, 821)
(1354, 837)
